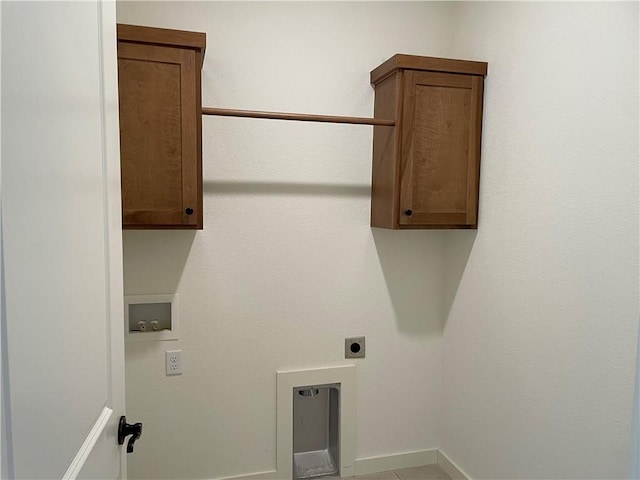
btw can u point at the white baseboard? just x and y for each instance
(384, 463)
(268, 475)
(453, 470)
(394, 462)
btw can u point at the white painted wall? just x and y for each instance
(287, 265)
(539, 345)
(539, 342)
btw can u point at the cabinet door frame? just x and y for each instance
(190, 150)
(421, 219)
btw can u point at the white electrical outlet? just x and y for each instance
(173, 362)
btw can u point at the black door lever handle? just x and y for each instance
(125, 429)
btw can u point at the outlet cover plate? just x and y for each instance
(354, 347)
(173, 362)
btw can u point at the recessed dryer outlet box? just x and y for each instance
(316, 431)
(339, 381)
(150, 317)
(354, 347)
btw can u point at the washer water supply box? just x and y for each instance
(316, 435)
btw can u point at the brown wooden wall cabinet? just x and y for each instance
(160, 127)
(426, 169)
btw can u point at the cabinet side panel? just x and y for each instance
(384, 170)
(198, 79)
(475, 146)
(190, 138)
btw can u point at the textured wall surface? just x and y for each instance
(540, 304)
(287, 265)
(539, 345)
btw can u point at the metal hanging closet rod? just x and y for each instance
(302, 117)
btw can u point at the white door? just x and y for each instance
(62, 322)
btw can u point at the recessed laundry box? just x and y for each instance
(316, 431)
(316, 423)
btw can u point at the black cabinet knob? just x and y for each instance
(189, 211)
(408, 213)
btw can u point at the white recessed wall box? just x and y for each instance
(150, 317)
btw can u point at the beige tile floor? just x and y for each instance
(427, 472)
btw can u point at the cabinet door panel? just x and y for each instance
(158, 135)
(439, 174)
